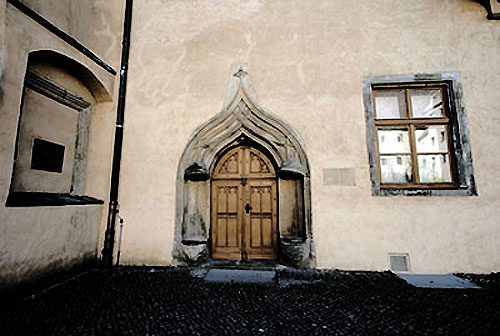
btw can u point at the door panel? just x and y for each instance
(255, 231)
(226, 215)
(230, 166)
(260, 222)
(257, 165)
(244, 206)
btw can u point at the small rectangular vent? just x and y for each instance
(399, 262)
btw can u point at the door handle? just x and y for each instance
(248, 208)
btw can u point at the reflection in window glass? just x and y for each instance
(426, 103)
(395, 169)
(390, 105)
(393, 141)
(434, 168)
(431, 139)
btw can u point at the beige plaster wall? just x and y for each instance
(106, 33)
(72, 17)
(2, 38)
(307, 60)
(39, 239)
(97, 24)
(45, 119)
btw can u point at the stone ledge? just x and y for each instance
(32, 199)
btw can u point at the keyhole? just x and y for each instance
(248, 208)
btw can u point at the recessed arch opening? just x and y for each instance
(244, 206)
(243, 140)
(51, 152)
(51, 58)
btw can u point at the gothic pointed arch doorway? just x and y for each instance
(212, 200)
(244, 206)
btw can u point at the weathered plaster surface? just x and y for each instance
(40, 239)
(95, 23)
(46, 238)
(307, 61)
(106, 33)
(2, 33)
(2, 45)
(73, 17)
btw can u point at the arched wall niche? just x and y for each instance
(58, 96)
(49, 58)
(243, 122)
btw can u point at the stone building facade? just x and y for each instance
(58, 110)
(312, 133)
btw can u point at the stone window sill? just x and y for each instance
(34, 199)
(425, 192)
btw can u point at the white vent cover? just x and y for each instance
(399, 262)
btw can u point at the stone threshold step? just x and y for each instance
(245, 268)
(225, 275)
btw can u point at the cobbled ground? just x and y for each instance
(169, 301)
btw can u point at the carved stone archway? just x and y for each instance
(243, 122)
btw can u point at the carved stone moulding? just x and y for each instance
(196, 172)
(493, 8)
(295, 252)
(241, 122)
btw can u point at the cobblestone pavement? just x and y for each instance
(147, 301)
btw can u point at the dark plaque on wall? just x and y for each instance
(47, 156)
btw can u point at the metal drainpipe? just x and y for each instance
(109, 239)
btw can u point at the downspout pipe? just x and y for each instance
(109, 238)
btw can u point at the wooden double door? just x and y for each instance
(244, 206)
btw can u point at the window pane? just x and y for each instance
(426, 103)
(431, 139)
(393, 141)
(390, 105)
(395, 168)
(434, 168)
